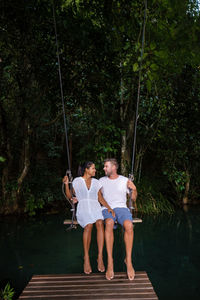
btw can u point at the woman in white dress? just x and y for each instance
(88, 195)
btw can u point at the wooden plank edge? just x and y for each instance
(67, 296)
(117, 274)
(69, 222)
(138, 274)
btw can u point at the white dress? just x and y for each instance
(88, 208)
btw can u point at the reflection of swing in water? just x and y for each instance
(132, 205)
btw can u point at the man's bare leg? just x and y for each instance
(128, 239)
(86, 246)
(109, 237)
(100, 243)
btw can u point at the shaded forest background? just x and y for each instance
(100, 45)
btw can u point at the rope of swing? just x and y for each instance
(68, 172)
(139, 88)
(131, 175)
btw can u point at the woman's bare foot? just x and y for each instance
(109, 271)
(130, 270)
(87, 267)
(100, 264)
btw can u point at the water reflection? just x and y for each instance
(170, 254)
(167, 247)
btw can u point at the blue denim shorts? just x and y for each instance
(121, 214)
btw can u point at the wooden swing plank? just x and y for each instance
(68, 221)
(93, 286)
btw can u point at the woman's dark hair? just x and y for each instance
(82, 167)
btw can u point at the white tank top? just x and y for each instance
(114, 191)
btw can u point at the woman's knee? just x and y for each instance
(99, 224)
(88, 227)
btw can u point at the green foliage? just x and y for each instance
(100, 47)
(32, 204)
(7, 293)
(178, 179)
(151, 200)
(41, 189)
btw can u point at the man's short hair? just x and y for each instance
(113, 161)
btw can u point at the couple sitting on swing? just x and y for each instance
(111, 191)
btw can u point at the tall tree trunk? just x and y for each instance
(187, 188)
(127, 131)
(123, 136)
(6, 152)
(123, 153)
(25, 159)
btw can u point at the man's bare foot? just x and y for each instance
(87, 267)
(100, 264)
(130, 270)
(109, 272)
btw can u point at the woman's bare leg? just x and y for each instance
(100, 243)
(86, 247)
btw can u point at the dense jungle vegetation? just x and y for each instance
(99, 47)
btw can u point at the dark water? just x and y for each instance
(167, 247)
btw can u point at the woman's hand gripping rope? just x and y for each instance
(68, 193)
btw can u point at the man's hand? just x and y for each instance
(133, 189)
(131, 185)
(110, 210)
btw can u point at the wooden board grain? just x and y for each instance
(93, 286)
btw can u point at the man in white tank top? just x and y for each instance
(114, 190)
